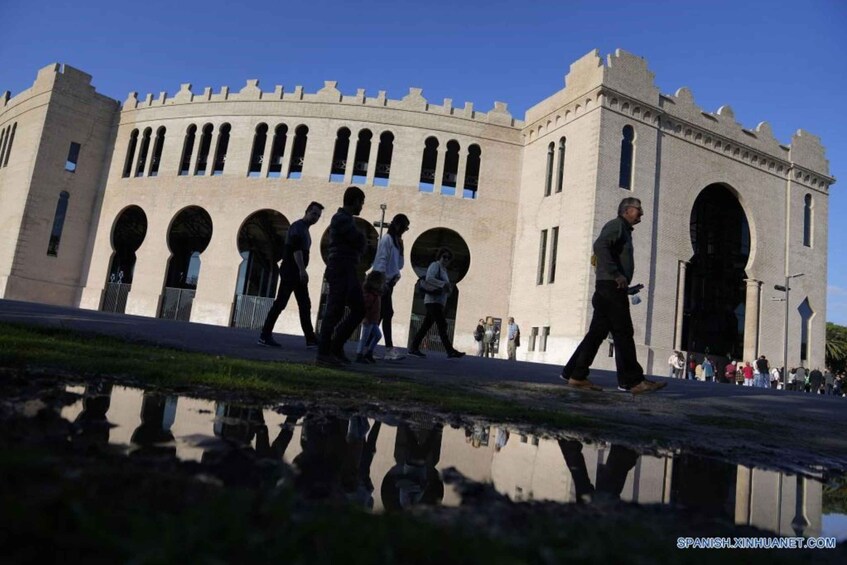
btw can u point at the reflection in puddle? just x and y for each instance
(389, 465)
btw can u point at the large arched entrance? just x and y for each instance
(422, 254)
(127, 236)
(188, 237)
(715, 292)
(261, 241)
(371, 241)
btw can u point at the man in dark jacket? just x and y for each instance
(615, 267)
(764, 372)
(346, 244)
(816, 380)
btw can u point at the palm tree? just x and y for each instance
(836, 346)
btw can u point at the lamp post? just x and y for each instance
(786, 289)
(381, 223)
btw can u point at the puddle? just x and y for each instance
(387, 464)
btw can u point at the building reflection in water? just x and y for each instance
(345, 457)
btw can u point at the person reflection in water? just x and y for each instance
(414, 479)
(91, 426)
(611, 476)
(154, 435)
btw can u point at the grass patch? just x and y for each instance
(88, 356)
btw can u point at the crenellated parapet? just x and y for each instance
(414, 101)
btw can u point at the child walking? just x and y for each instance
(372, 289)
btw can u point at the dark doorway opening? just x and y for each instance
(188, 237)
(127, 236)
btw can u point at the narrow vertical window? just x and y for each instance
(627, 153)
(807, 221)
(205, 147)
(451, 169)
(278, 150)
(428, 163)
(3, 135)
(298, 152)
(339, 155)
(383, 158)
(157, 151)
(560, 172)
(73, 157)
(548, 171)
(187, 150)
(9, 144)
(533, 337)
(472, 172)
(554, 247)
(142, 152)
(545, 333)
(363, 155)
(130, 153)
(257, 154)
(220, 151)
(542, 254)
(58, 224)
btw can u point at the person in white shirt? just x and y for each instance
(389, 261)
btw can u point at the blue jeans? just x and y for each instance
(370, 337)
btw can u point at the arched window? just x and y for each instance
(3, 135)
(187, 150)
(9, 144)
(130, 153)
(627, 154)
(383, 158)
(58, 224)
(339, 155)
(278, 150)
(807, 220)
(560, 173)
(363, 155)
(298, 152)
(205, 147)
(257, 153)
(220, 151)
(472, 171)
(428, 163)
(806, 315)
(142, 152)
(548, 175)
(157, 151)
(451, 168)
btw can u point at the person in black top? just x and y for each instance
(346, 244)
(294, 278)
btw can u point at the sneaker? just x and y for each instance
(327, 360)
(268, 341)
(584, 384)
(455, 354)
(369, 357)
(647, 386)
(417, 353)
(392, 354)
(623, 388)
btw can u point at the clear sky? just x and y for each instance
(784, 62)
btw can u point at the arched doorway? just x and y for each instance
(188, 237)
(715, 292)
(127, 236)
(371, 241)
(261, 241)
(422, 254)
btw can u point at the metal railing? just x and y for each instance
(114, 297)
(176, 303)
(251, 311)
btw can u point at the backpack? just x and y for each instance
(477, 334)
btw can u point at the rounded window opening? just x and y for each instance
(188, 236)
(128, 234)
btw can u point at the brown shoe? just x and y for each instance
(647, 386)
(584, 384)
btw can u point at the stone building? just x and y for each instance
(177, 206)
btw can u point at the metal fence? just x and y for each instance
(432, 341)
(114, 297)
(176, 303)
(251, 311)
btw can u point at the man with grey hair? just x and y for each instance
(615, 266)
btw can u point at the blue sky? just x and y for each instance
(776, 61)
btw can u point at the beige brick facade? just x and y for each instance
(679, 151)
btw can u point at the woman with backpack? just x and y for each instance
(436, 290)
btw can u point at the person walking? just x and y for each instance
(513, 333)
(764, 370)
(692, 367)
(748, 374)
(389, 260)
(372, 292)
(614, 270)
(478, 335)
(676, 364)
(294, 278)
(488, 339)
(346, 244)
(708, 370)
(435, 301)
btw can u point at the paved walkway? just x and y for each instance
(234, 342)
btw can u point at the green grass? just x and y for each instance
(86, 356)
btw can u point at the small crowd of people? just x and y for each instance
(487, 337)
(758, 374)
